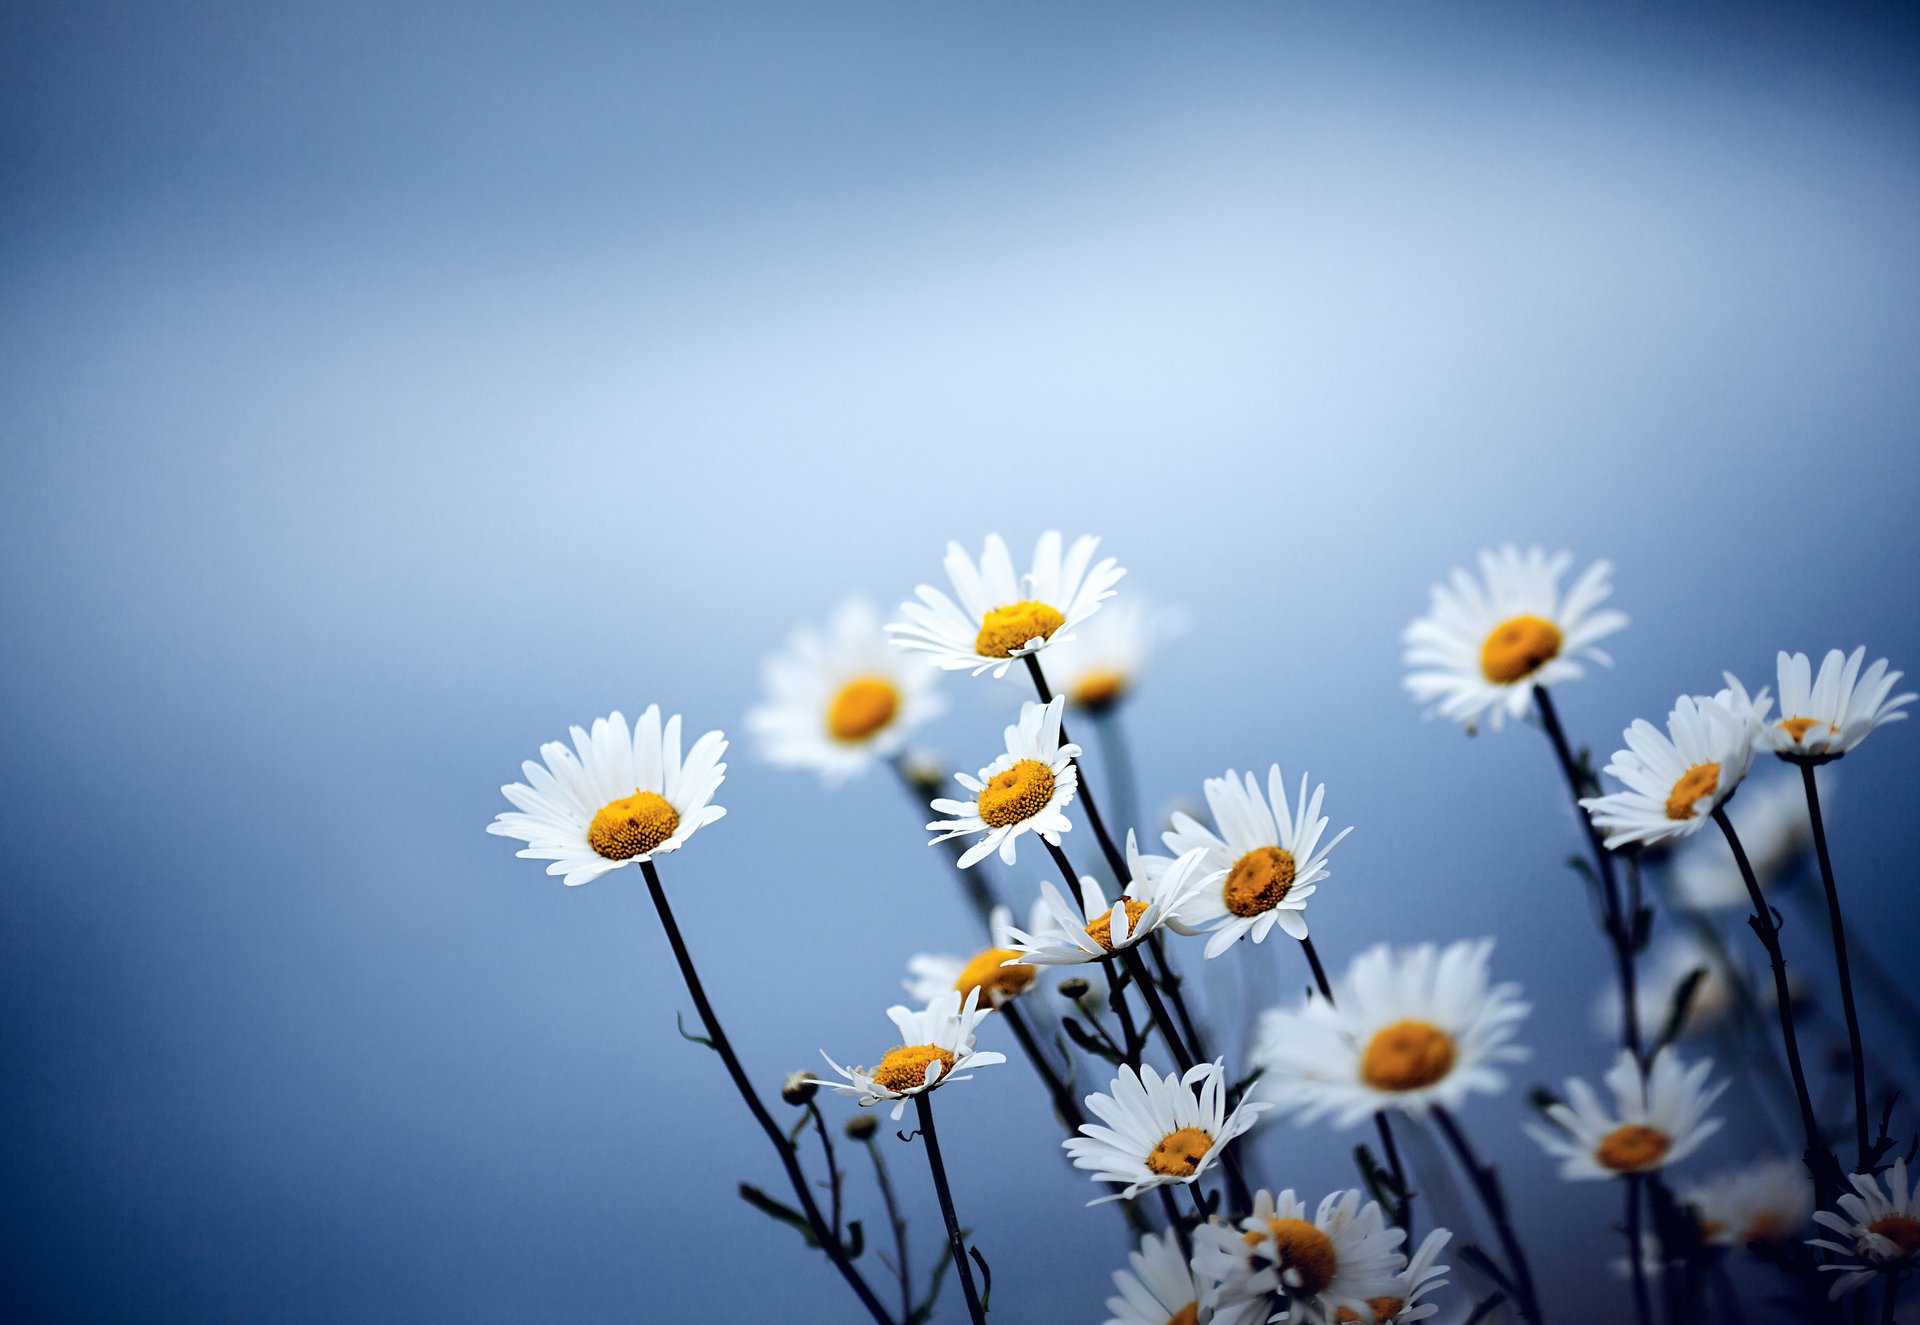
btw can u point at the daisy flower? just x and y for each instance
(1661, 974)
(1000, 616)
(617, 798)
(1025, 790)
(838, 699)
(1768, 1200)
(1486, 643)
(1267, 857)
(1063, 936)
(1280, 1265)
(1158, 1130)
(1100, 665)
(1657, 1120)
(1422, 1276)
(1880, 1228)
(1823, 717)
(1770, 817)
(1675, 781)
(1159, 1288)
(1405, 1030)
(995, 970)
(936, 1047)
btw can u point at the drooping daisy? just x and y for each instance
(994, 970)
(1065, 936)
(1657, 1120)
(841, 698)
(936, 1047)
(1268, 857)
(1662, 972)
(1676, 780)
(1280, 1265)
(1879, 1228)
(1025, 790)
(1158, 1130)
(1770, 817)
(1486, 643)
(623, 798)
(1000, 616)
(1823, 717)
(1160, 1288)
(1767, 1200)
(1406, 1030)
(1100, 665)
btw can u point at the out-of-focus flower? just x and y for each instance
(1767, 1200)
(1158, 1130)
(1823, 717)
(1661, 974)
(1025, 790)
(936, 1047)
(1656, 1120)
(995, 970)
(1098, 668)
(1770, 816)
(1158, 1288)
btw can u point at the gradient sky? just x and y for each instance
(384, 392)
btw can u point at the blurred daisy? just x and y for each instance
(1676, 780)
(1656, 1120)
(1025, 790)
(1158, 1130)
(1159, 1288)
(1880, 1229)
(1000, 616)
(936, 1047)
(1064, 936)
(1406, 1030)
(838, 699)
(1403, 1306)
(1486, 643)
(1266, 858)
(1823, 717)
(995, 970)
(1100, 665)
(1768, 1200)
(1770, 816)
(1662, 972)
(1280, 1265)
(617, 798)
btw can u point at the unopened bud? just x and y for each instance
(799, 1089)
(924, 772)
(862, 1125)
(1075, 989)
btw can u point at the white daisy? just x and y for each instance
(1486, 643)
(1823, 717)
(1065, 937)
(1279, 1265)
(1158, 1130)
(1267, 857)
(1767, 1200)
(1422, 1276)
(1770, 817)
(1675, 781)
(1661, 974)
(625, 797)
(1160, 1288)
(995, 970)
(1101, 664)
(1025, 790)
(1657, 1120)
(1406, 1030)
(1001, 617)
(841, 698)
(936, 1047)
(1880, 1229)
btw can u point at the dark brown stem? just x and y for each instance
(1404, 1211)
(899, 1224)
(962, 1262)
(1642, 1300)
(1486, 1185)
(1854, 1050)
(1115, 861)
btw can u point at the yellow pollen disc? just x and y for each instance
(1015, 793)
(1797, 727)
(905, 1068)
(1187, 1315)
(993, 980)
(1518, 647)
(624, 828)
(862, 707)
(1008, 628)
(1383, 1309)
(1903, 1231)
(1765, 1227)
(1407, 1055)
(1179, 1153)
(1101, 930)
(1258, 881)
(1632, 1147)
(1698, 781)
(1304, 1249)
(1099, 689)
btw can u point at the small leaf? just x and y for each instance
(779, 1210)
(1679, 1008)
(856, 1240)
(1484, 1308)
(986, 1277)
(686, 1034)
(1082, 1037)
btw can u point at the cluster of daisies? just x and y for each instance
(1404, 1037)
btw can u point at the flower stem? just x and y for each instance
(1854, 1050)
(974, 882)
(1058, 1090)
(1115, 861)
(962, 1263)
(899, 1223)
(1642, 1300)
(1170, 983)
(1486, 1183)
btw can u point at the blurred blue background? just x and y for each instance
(385, 390)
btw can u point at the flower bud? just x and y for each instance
(1075, 989)
(862, 1125)
(798, 1089)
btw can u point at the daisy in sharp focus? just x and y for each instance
(1486, 643)
(995, 970)
(617, 798)
(1657, 1120)
(1770, 816)
(1158, 1288)
(1064, 936)
(1406, 1030)
(1878, 1227)
(936, 1047)
(1158, 1130)
(1764, 1200)
(1823, 717)
(1000, 616)
(1279, 1264)
(1099, 667)
(840, 698)
(1674, 781)
(1025, 790)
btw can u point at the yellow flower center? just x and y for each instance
(1518, 647)
(1407, 1055)
(1016, 792)
(1383, 1309)
(994, 981)
(1005, 629)
(1698, 781)
(1632, 1147)
(1179, 1153)
(1302, 1248)
(1099, 689)
(1258, 881)
(1797, 728)
(1767, 1226)
(905, 1068)
(1187, 1315)
(862, 707)
(1101, 930)
(1903, 1231)
(624, 828)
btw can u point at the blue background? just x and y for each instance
(384, 391)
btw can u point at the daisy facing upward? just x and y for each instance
(936, 1047)
(1158, 1130)
(1025, 790)
(1657, 1119)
